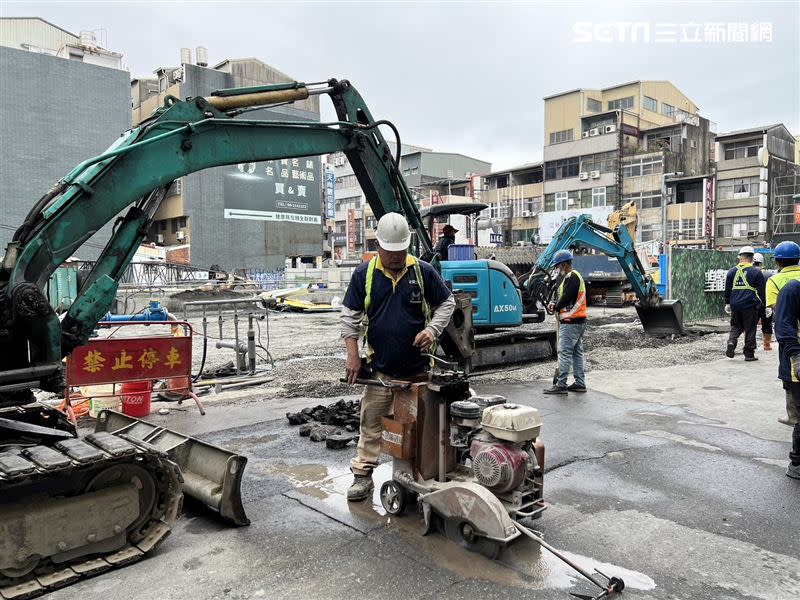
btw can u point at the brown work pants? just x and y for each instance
(377, 402)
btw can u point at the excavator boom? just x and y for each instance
(659, 317)
(134, 470)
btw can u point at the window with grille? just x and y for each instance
(746, 149)
(598, 196)
(620, 103)
(556, 137)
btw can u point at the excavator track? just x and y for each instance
(80, 507)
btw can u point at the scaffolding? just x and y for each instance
(785, 219)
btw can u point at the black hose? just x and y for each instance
(203, 361)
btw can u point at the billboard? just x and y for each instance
(549, 222)
(279, 190)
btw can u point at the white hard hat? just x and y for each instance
(393, 233)
(746, 250)
(758, 257)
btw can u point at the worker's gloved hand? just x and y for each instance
(424, 339)
(352, 367)
(795, 366)
(768, 312)
(727, 309)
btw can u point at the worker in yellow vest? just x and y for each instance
(399, 305)
(570, 310)
(744, 297)
(787, 257)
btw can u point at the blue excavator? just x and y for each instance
(503, 301)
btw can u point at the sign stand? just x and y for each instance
(114, 360)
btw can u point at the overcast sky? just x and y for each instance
(470, 77)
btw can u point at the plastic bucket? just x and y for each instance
(460, 252)
(100, 398)
(136, 398)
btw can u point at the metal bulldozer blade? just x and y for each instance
(211, 474)
(662, 320)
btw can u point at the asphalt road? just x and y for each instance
(652, 483)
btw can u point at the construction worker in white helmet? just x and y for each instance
(744, 300)
(399, 305)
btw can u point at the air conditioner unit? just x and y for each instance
(160, 238)
(583, 176)
(585, 134)
(177, 75)
(594, 174)
(180, 235)
(693, 143)
(527, 213)
(669, 191)
(594, 131)
(752, 233)
(610, 128)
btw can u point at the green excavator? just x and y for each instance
(129, 475)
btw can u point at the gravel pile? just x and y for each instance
(309, 356)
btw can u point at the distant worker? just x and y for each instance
(744, 294)
(403, 305)
(570, 310)
(787, 328)
(448, 239)
(764, 313)
(787, 256)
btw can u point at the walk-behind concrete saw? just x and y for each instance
(474, 464)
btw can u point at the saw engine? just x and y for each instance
(500, 441)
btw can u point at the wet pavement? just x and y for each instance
(657, 487)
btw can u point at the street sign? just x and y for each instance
(116, 360)
(330, 194)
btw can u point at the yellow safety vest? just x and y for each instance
(776, 282)
(577, 310)
(426, 309)
(740, 279)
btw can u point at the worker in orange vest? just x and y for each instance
(570, 309)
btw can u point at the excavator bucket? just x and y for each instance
(662, 320)
(211, 474)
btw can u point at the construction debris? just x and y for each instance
(335, 424)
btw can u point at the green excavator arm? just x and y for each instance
(180, 138)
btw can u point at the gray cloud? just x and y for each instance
(467, 77)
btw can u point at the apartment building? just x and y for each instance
(432, 177)
(604, 147)
(757, 177)
(516, 198)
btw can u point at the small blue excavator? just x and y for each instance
(501, 300)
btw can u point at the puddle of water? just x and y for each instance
(523, 564)
(674, 437)
(236, 444)
(300, 475)
(777, 462)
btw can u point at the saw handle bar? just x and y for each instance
(378, 382)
